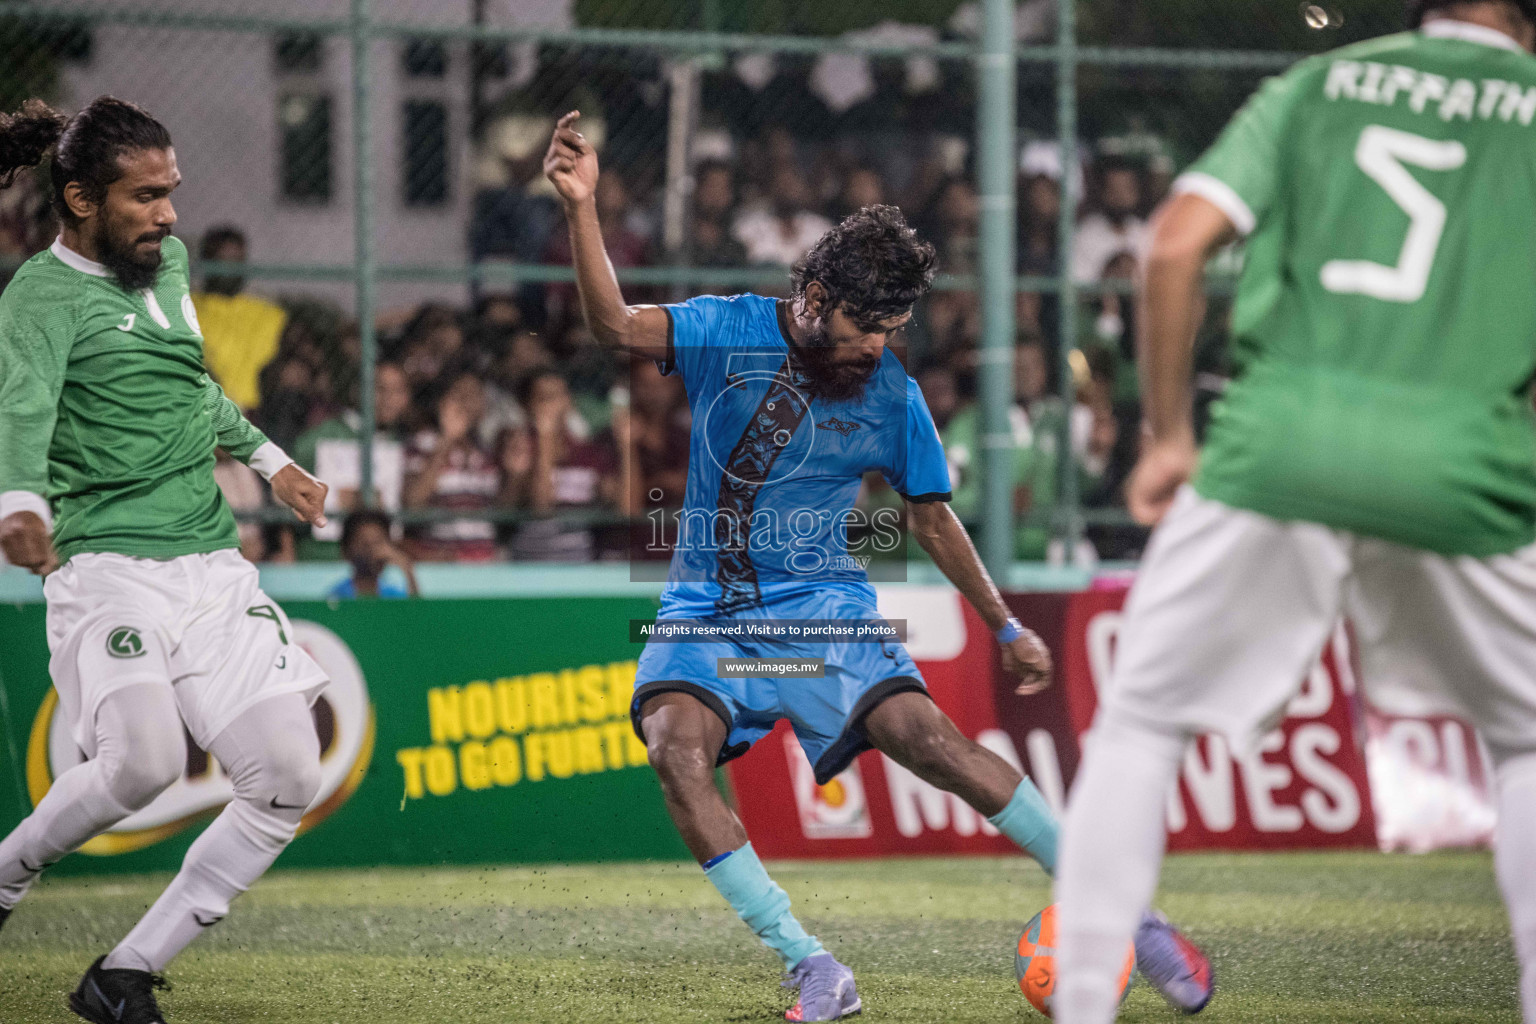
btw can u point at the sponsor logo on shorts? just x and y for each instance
(125, 642)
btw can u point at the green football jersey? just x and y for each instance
(106, 410)
(1384, 331)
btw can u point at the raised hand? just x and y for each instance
(571, 163)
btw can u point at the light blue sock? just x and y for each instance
(1029, 822)
(759, 901)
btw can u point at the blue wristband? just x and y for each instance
(1011, 631)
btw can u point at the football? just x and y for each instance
(1035, 962)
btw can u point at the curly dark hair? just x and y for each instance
(85, 147)
(1417, 9)
(872, 264)
(26, 136)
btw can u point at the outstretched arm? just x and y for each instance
(237, 435)
(939, 532)
(571, 166)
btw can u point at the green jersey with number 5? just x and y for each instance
(1385, 325)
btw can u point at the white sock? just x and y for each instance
(139, 752)
(272, 755)
(1515, 863)
(1111, 852)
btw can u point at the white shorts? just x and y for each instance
(198, 623)
(1231, 608)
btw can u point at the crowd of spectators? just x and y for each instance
(502, 433)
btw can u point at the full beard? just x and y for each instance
(133, 272)
(833, 381)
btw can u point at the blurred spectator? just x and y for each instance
(1099, 430)
(299, 387)
(491, 325)
(447, 469)
(954, 317)
(1039, 224)
(655, 427)
(525, 353)
(498, 311)
(240, 332)
(953, 220)
(785, 228)
(1114, 329)
(26, 221)
(368, 549)
(626, 248)
(547, 470)
(515, 221)
(243, 492)
(862, 187)
(331, 452)
(959, 421)
(714, 199)
(1039, 249)
(1032, 374)
(1115, 226)
(288, 396)
(432, 342)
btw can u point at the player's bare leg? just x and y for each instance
(683, 738)
(911, 730)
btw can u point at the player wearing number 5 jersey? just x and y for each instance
(108, 426)
(1374, 457)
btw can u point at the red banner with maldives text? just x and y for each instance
(1304, 787)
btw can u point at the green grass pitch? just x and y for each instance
(1295, 938)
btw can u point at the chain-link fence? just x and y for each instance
(382, 273)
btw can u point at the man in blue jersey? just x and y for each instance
(793, 402)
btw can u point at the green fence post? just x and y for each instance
(1068, 500)
(365, 270)
(997, 68)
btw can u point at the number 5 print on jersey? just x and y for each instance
(1381, 154)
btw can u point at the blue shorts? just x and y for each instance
(827, 714)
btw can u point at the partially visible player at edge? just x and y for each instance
(108, 426)
(768, 380)
(1375, 455)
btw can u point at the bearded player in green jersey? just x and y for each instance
(1375, 456)
(108, 426)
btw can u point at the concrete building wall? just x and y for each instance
(220, 93)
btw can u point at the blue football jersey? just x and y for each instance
(774, 470)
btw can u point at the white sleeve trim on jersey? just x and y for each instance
(1220, 195)
(12, 502)
(268, 460)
